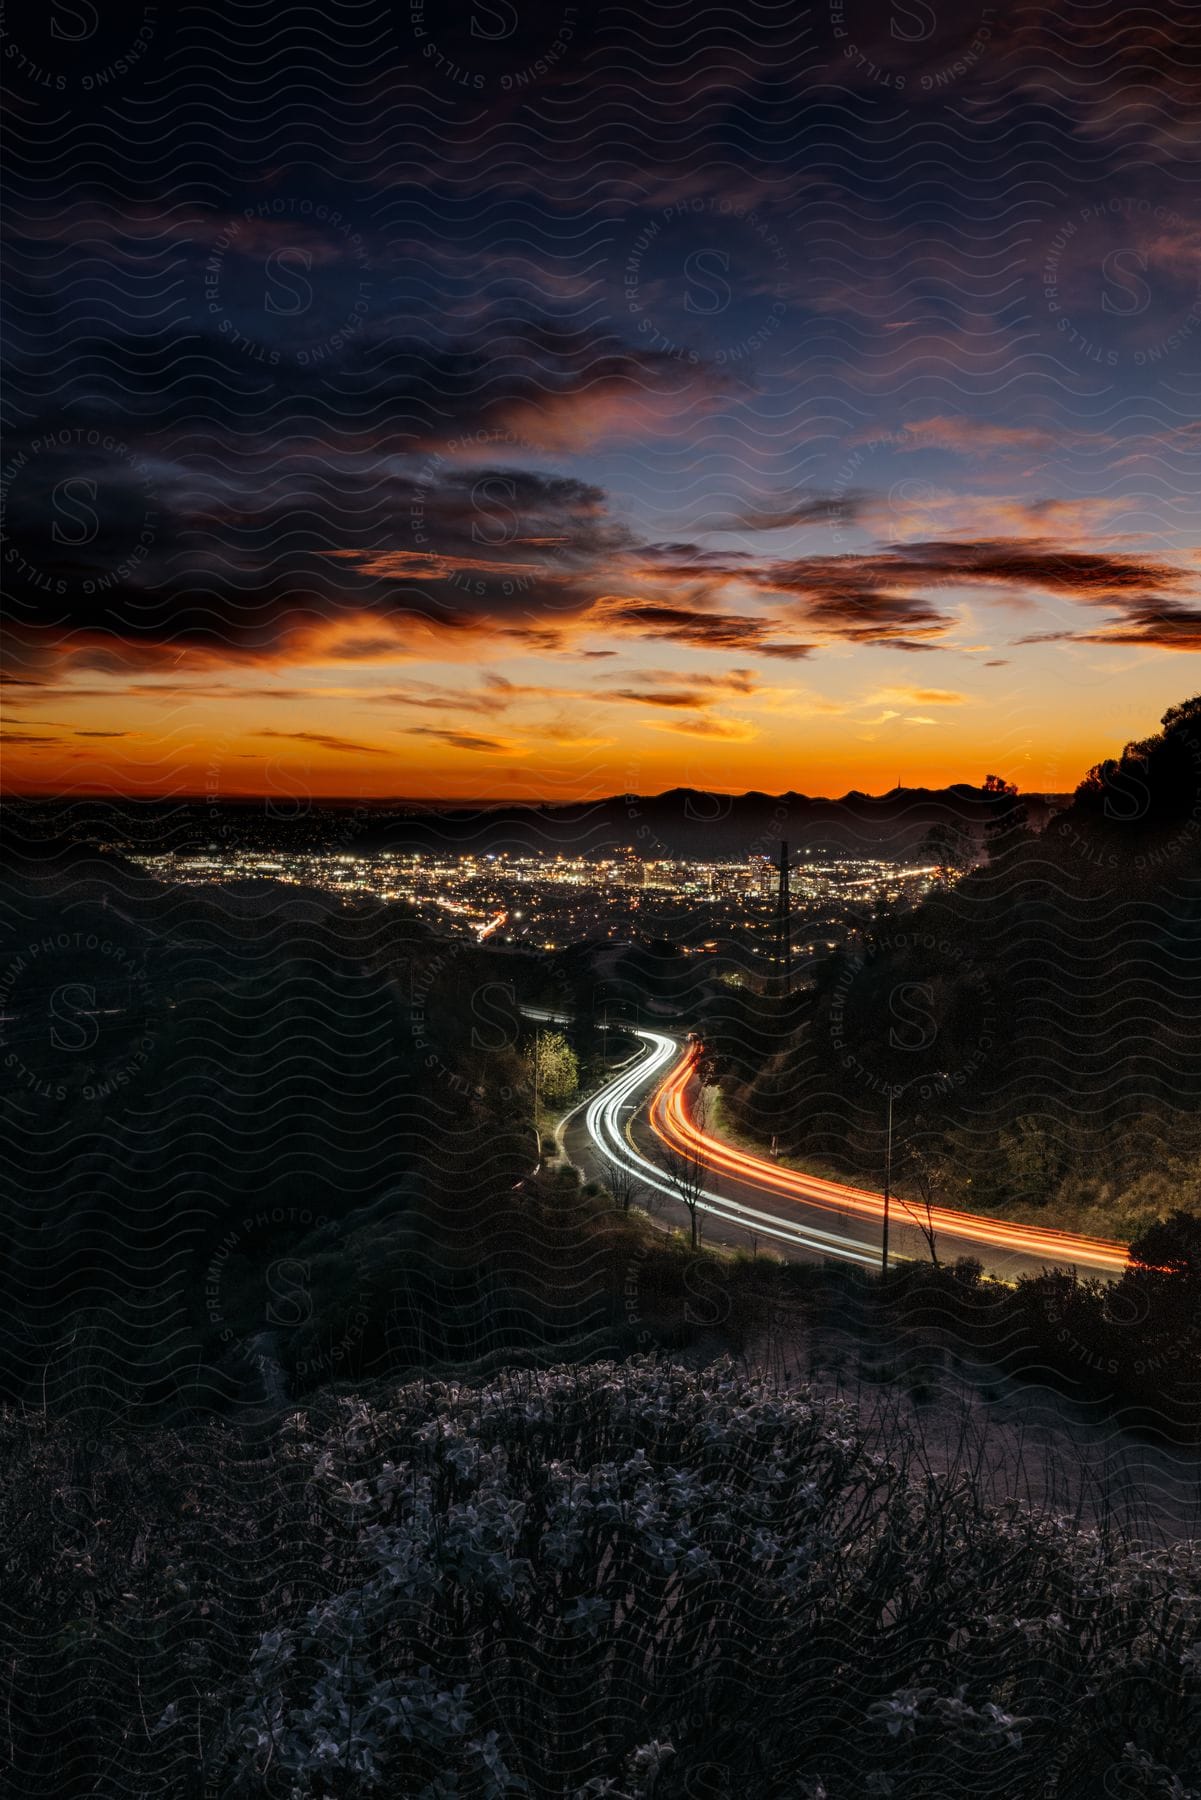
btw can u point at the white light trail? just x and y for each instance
(603, 1123)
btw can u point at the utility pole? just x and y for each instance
(784, 923)
(887, 1187)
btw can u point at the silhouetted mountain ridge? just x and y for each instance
(682, 821)
(694, 822)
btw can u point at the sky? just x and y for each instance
(567, 400)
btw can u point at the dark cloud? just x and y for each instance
(782, 511)
(1035, 563)
(728, 681)
(704, 725)
(456, 548)
(702, 630)
(324, 742)
(170, 491)
(1162, 627)
(881, 596)
(685, 562)
(662, 698)
(461, 740)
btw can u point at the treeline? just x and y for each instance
(1036, 1018)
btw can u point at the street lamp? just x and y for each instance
(604, 1025)
(894, 1093)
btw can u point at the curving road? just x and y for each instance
(642, 1122)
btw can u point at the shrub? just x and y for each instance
(606, 1581)
(626, 1581)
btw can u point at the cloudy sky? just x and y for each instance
(574, 400)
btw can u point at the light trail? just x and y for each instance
(603, 1123)
(671, 1122)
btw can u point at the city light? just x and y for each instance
(546, 900)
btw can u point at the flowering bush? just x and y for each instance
(617, 1580)
(634, 1580)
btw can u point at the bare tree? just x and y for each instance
(927, 1172)
(687, 1169)
(624, 1183)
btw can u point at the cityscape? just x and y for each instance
(548, 901)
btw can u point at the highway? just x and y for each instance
(642, 1120)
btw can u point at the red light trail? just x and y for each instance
(671, 1122)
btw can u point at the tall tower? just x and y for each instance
(783, 982)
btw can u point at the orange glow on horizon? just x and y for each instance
(556, 727)
(105, 758)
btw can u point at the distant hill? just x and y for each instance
(691, 823)
(684, 822)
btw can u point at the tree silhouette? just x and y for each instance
(1171, 1247)
(687, 1169)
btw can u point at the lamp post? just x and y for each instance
(604, 1028)
(894, 1093)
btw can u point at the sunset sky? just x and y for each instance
(803, 401)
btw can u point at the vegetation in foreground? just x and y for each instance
(625, 1580)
